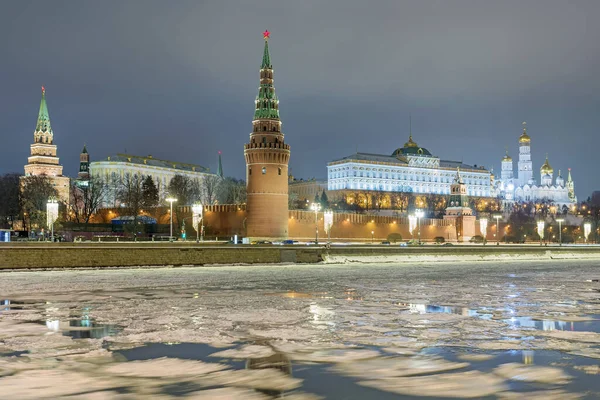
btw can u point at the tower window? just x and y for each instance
(264, 128)
(279, 170)
(264, 170)
(249, 170)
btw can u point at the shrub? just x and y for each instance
(394, 237)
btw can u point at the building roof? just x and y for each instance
(411, 147)
(155, 162)
(524, 138)
(402, 161)
(546, 168)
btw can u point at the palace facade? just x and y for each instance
(524, 187)
(409, 169)
(114, 169)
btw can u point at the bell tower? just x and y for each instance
(267, 157)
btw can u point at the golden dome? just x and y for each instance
(410, 142)
(506, 157)
(546, 168)
(524, 138)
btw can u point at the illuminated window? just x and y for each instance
(264, 170)
(279, 171)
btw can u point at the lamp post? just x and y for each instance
(560, 221)
(540, 229)
(197, 210)
(51, 215)
(497, 218)
(483, 228)
(171, 200)
(419, 214)
(316, 207)
(587, 229)
(328, 223)
(412, 224)
(372, 236)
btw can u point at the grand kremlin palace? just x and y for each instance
(409, 169)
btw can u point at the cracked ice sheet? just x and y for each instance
(351, 305)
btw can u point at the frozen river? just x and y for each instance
(498, 331)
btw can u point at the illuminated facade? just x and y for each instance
(44, 160)
(409, 169)
(524, 186)
(114, 169)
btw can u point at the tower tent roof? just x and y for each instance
(84, 151)
(43, 121)
(266, 60)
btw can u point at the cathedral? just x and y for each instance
(524, 187)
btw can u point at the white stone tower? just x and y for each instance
(525, 165)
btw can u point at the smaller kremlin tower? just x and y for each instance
(458, 209)
(267, 157)
(43, 159)
(83, 176)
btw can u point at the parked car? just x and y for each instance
(261, 242)
(286, 242)
(385, 242)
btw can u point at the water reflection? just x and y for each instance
(82, 328)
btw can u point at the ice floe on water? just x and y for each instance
(259, 332)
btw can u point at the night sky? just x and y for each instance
(177, 79)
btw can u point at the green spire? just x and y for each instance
(266, 61)
(84, 151)
(43, 121)
(220, 168)
(267, 104)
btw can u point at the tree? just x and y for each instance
(210, 185)
(85, 200)
(324, 200)
(187, 191)
(9, 199)
(131, 195)
(36, 191)
(231, 191)
(149, 193)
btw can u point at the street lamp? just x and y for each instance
(316, 207)
(197, 210)
(171, 200)
(497, 218)
(51, 215)
(328, 223)
(483, 228)
(587, 229)
(372, 236)
(419, 214)
(560, 221)
(540, 229)
(412, 224)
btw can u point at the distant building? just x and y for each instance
(409, 169)
(524, 186)
(43, 160)
(83, 176)
(306, 189)
(114, 168)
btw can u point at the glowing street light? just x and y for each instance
(483, 228)
(51, 215)
(497, 218)
(372, 236)
(540, 229)
(316, 207)
(587, 229)
(171, 200)
(197, 217)
(560, 221)
(328, 223)
(412, 224)
(419, 214)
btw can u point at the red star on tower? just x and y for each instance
(266, 34)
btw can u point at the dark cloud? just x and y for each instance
(178, 79)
